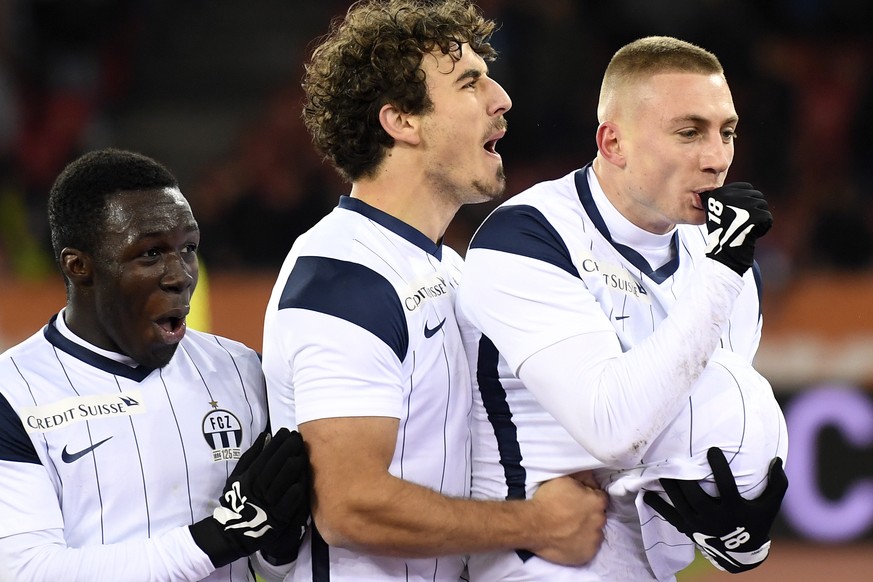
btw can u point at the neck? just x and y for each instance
(408, 198)
(607, 180)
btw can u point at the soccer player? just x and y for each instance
(361, 346)
(611, 317)
(120, 429)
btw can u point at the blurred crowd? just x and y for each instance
(800, 71)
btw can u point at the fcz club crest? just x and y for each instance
(223, 432)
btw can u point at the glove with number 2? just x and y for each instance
(731, 531)
(264, 506)
(737, 215)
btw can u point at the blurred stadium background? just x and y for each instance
(211, 88)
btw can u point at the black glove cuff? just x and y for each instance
(281, 560)
(210, 537)
(286, 548)
(731, 263)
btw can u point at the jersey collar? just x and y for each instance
(54, 337)
(658, 275)
(393, 224)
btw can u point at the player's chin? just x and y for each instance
(488, 190)
(696, 216)
(158, 356)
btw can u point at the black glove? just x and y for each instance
(736, 216)
(265, 501)
(732, 532)
(283, 550)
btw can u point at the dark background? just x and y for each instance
(211, 88)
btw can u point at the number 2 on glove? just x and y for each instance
(232, 518)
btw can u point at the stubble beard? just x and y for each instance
(489, 192)
(473, 192)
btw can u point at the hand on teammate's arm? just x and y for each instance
(576, 531)
(265, 504)
(731, 531)
(360, 506)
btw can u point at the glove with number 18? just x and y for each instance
(737, 215)
(264, 506)
(731, 532)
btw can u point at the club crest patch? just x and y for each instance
(223, 432)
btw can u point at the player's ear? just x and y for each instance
(77, 266)
(609, 143)
(403, 127)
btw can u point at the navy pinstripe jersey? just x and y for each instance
(361, 322)
(555, 271)
(110, 453)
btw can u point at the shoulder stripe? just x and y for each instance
(505, 430)
(759, 284)
(523, 230)
(15, 445)
(349, 291)
(500, 417)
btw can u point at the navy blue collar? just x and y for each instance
(54, 337)
(393, 224)
(636, 259)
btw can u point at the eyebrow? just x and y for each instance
(702, 120)
(190, 228)
(469, 74)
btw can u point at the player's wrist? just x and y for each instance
(209, 536)
(718, 270)
(737, 267)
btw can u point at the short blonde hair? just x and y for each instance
(649, 56)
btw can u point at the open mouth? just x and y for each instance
(491, 145)
(172, 328)
(698, 195)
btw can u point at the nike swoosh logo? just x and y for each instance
(620, 317)
(740, 218)
(701, 541)
(71, 457)
(428, 332)
(258, 521)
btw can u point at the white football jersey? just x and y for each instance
(94, 451)
(361, 322)
(565, 254)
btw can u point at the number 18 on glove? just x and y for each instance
(736, 216)
(731, 532)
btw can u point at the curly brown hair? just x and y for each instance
(372, 57)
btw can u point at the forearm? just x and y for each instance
(393, 517)
(43, 555)
(360, 505)
(615, 403)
